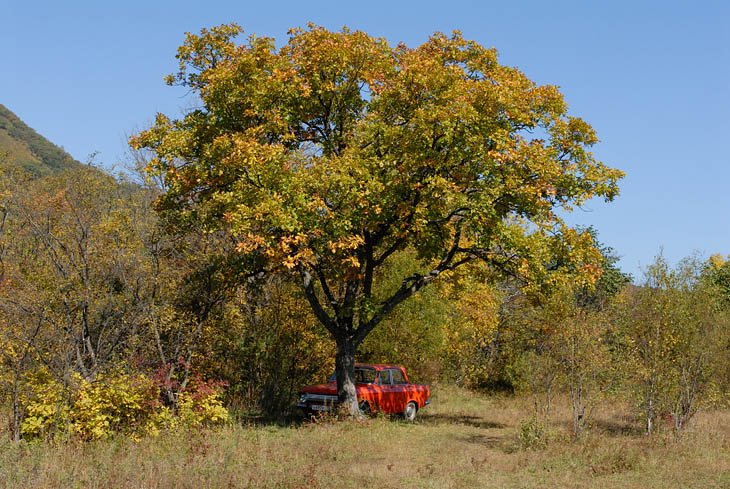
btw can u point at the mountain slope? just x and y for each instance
(24, 147)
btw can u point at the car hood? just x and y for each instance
(330, 389)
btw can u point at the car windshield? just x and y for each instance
(363, 375)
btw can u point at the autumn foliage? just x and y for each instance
(326, 157)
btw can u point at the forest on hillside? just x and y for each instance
(28, 149)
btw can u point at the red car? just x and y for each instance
(383, 388)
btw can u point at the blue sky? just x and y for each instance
(653, 78)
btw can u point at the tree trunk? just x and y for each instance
(345, 375)
(579, 409)
(649, 415)
(548, 392)
(17, 420)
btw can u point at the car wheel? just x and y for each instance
(411, 410)
(364, 408)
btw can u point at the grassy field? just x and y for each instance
(461, 441)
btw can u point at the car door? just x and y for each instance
(400, 390)
(385, 386)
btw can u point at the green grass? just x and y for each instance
(461, 440)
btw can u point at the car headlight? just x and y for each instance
(303, 398)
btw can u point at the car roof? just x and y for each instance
(377, 366)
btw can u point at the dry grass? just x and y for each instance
(461, 440)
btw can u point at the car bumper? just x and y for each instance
(316, 408)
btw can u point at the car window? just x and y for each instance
(362, 376)
(365, 375)
(384, 377)
(398, 377)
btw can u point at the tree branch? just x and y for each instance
(326, 289)
(413, 284)
(311, 295)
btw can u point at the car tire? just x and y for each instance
(365, 410)
(411, 410)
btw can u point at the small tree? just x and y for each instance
(325, 157)
(701, 336)
(562, 345)
(676, 329)
(585, 363)
(563, 339)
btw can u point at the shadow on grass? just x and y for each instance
(295, 420)
(282, 421)
(461, 419)
(487, 441)
(494, 441)
(614, 428)
(618, 427)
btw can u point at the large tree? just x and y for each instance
(324, 157)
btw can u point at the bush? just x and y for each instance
(533, 434)
(201, 404)
(118, 402)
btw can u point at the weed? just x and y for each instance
(533, 434)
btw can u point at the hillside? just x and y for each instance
(26, 148)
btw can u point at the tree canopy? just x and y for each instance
(326, 156)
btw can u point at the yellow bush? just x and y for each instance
(46, 412)
(118, 402)
(194, 410)
(114, 403)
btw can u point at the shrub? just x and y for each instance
(533, 434)
(118, 402)
(201, 404)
